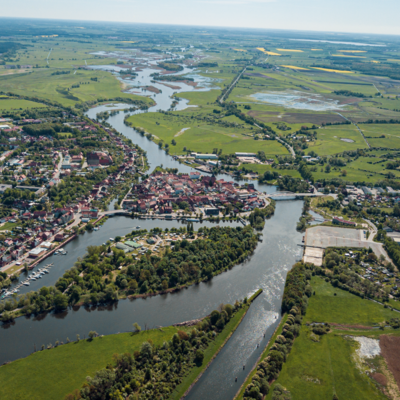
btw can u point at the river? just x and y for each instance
(266, 269)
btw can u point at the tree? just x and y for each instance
(60, 301)
(137, 327)
(92, 335)
(199, 357)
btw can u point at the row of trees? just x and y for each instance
(155, 371)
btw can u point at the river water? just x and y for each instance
(266, 269)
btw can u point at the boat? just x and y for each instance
(112, 239)
(95, 229)
(138, 227)
(26, 283)
(33, 279)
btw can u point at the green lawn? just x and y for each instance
(317, 370)
(8, 226)
(8, 104)
(52, 374)
(344, 308)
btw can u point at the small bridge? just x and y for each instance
(115, 212)
(278, 196)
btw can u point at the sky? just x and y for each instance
(355, 16)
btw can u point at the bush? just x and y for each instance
(199, 356)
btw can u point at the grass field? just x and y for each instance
(202, 136)
(9, 104)
(316, 371)
(329, 140)
(391, 133)
(52, 374)
(200, 98)
(344, 308)
(42, 84)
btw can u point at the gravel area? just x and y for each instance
(368, 347)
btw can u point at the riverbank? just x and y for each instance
(214, 350)
(278, 331)
(35, 375)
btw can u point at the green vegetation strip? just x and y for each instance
(212, 351)
(54, 373)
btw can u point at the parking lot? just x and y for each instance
(329, 236)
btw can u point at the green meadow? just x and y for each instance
(318, 369)
(203, 136)
(54, 373)
(344, 307)
(42, 84)
(12, 104)
(329, 140)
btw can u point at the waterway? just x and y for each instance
(266, 269)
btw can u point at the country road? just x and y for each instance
(290, 148)
(366, 141)
(232, 85)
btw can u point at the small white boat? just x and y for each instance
(112, 239)
(26, 283)
(33, 279)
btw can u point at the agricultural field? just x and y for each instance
(382, 135)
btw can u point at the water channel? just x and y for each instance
(266, 269)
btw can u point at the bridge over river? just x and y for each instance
(277, 196)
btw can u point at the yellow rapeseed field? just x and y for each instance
(352, 51)
(334, 70)
(344, 55)
(239, 50)
(270, 53)
(296, 51)
(294, 67)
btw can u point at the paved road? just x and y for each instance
(232, 85)
(288, 146)
(48, 55)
